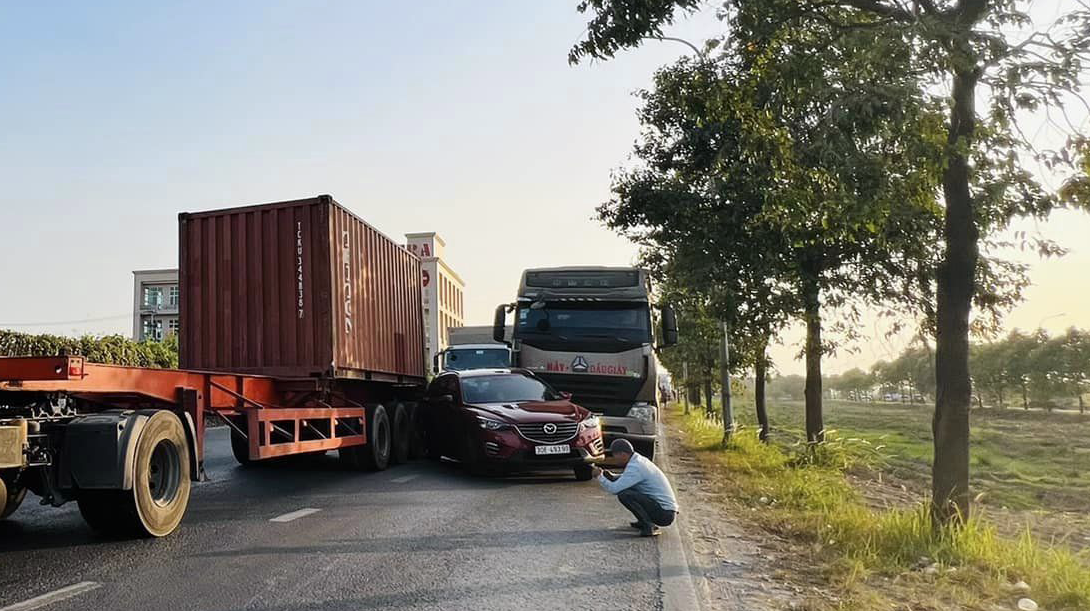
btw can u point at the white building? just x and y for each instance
(155, 304)
(443, 291)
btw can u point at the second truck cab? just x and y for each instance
(588, 331)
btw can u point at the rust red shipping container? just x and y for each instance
(299, 288)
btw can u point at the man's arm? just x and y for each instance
(631, 476)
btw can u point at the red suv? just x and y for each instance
(509, 419)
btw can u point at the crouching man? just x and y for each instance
(642, 488)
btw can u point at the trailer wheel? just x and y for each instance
(375, 455)
(10, 498)
(401, 435)
(418, 445)
(160, 492)
(240, 446)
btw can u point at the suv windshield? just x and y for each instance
(620, 322)
(506, 388)
(458, 359)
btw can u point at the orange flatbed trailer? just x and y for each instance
(121, 440)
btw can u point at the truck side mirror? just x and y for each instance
(669, 327)
(498, 323)
(435, 362)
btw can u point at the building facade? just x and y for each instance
(443, 291)
(155, 304)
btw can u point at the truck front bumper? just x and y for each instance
(623, 427)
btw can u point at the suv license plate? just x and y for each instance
(558, 449)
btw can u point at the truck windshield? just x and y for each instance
(459, 359)
(506, 388)
(617, 322)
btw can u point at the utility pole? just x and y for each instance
(724, 380)
(685, 385)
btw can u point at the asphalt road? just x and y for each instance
(418, 536)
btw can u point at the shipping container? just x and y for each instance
(296, 289)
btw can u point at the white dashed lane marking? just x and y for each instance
(288, 517)
(55, 596)
(404, 479)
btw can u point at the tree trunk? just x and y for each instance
(1082, 405)
(759, 377)
(956, 278)
(694, 393)
(1025, 397)
(724, 382)
(811, 296)
(708, 409)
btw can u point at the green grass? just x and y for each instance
(1021, 460)
(805, 496)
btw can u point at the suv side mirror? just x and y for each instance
(498, 322)
(669, 327)
(444, 399)
(565, 395)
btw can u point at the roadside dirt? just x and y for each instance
(735, 566)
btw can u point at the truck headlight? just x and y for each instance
(591, 422)
(642, 410)
(492, 425)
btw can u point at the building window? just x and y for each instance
(153, 330)
(153, 296)
(172, 326)
(172, 296)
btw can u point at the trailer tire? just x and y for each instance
(10, 498)
(240, 446)
(400, 434)
(375, 455)
(155, 505)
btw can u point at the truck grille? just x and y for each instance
(607, 395)
(536, 431)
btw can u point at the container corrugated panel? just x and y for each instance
(300, 288)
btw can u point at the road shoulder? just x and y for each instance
(728, 567)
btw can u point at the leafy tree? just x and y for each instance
(856, 383)
(959, 47)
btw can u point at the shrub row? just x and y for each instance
(109, 349)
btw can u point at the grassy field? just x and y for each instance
(863, 556)
(1020, 460)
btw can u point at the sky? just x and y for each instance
(461, 118)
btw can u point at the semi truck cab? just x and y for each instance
(589, 331)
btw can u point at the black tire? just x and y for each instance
(583, 473)
(647, 448)
(401, 434)
(473, 458)
(161, 485)
(240, 446)
(375, 455)
(10, 499)
(418, 445)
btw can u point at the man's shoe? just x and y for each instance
(649, 532)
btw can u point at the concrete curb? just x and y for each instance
(675, 568)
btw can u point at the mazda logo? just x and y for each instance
(579, 365)
(549, 428)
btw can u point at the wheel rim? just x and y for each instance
(164, 473)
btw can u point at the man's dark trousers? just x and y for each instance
(645, 508)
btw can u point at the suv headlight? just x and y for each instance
(492, 425)
(591, 422)
(642, 410)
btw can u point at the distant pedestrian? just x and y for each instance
(642, 488)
